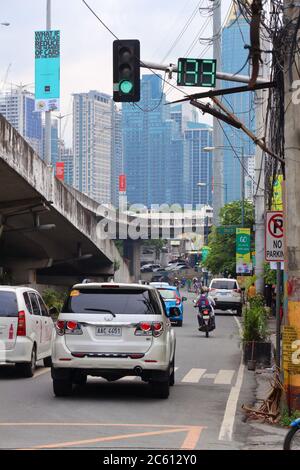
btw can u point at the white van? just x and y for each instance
(26, 329)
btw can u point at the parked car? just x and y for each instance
(112, 331)
(226, 294)
(26, 329)
(172, 298)
(148, 268)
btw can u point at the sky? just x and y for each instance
(86, 46)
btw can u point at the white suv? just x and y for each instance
(26, 329)
(112, 331)
(226, 294)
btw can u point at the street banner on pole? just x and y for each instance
(122, 183)
(47, 70)
(243, 252)
(60, 171)
(274, 232)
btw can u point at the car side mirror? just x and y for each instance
(174, 312)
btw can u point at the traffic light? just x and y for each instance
(126, 70)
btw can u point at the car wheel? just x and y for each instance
(80, 380)
(239, 312)
(62, 388)
(172, 375)
(161, 389)
(27, 369)
(179, 323)
(47, 361)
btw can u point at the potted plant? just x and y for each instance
(257, 347)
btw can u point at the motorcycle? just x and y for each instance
(205, 316)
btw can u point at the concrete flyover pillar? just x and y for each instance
(132, 255)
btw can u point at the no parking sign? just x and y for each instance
(274, 233)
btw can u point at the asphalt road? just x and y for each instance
(202, 412)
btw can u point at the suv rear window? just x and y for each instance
(8, 304)
(228, 285)
(117, 301)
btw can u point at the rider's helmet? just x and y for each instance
(195, 279)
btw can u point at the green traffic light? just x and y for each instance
(126, 87)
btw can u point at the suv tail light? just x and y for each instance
(69, 327)
(178, 300)
(237, 290)
(21, 324)
(149, 329)
(157, 328)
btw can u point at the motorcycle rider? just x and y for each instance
(204, 294)
(196, 285)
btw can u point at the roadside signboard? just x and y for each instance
(243, 252)
(47, 70)
(274, 232)
(205, 252)
(277, 194)
(227, 229)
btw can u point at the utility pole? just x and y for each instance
(243, 187)
(292, 197)
(48, 113)
(217, 137)
(259, 177)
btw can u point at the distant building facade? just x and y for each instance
(92, 144)
(117, 164)
(198, 136)
(235, 33)
(155, 154)
(67, 157)
(17, 106)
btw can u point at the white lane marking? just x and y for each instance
(230, 411)
(193, 376)
(41, 372)
(224, 377)
(239, 325)
(209, 376)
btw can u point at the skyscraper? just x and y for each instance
(199, 136)
(67, 157)
(17, 106)
(234, 60)
(92, 144)
(154, 155)
(117, 165)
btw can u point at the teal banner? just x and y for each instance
(47, 70)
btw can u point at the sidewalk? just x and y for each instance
(263, 436)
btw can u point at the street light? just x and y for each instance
(223, 185)
(210, 149)
(60, 117)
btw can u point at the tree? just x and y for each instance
(221, 257)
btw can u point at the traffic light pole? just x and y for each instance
(220, 75)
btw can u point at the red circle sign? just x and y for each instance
(275, 227)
